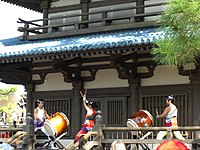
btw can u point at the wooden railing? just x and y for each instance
(103, 141)
(101, 137)
(22, 136)
(84, 139)
(7, 132)
(10, 129)
(45, 28)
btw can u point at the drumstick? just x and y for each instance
(156, 112)
(85, 92)
(81, 94)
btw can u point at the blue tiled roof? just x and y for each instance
(15, 47)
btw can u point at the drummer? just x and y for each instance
(40, 115)
(170, 115)
(90, 107)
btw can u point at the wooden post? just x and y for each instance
(139, 10)
(98, 127)
(29, 128)
(45, 5)
(195, 85)
(76, 106)
(85, 9)
(133, 101)
(29, 101)
(169, 134)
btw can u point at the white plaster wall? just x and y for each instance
(107, 79)
(53, 82)
(165, 75)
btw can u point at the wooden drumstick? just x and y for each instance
(81, 94)
(156, 112)
(85, 92)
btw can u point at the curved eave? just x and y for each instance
(28, 4)
(73, 54)
(14, 50)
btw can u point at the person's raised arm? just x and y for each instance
(84, 103)
(84, 100)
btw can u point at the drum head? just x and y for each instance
(65, 117)
(131, 123)
(50, 129)
(150, 116)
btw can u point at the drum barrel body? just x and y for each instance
(56, 124)
(140, 119)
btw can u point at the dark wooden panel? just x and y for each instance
(153, 102)
(114, 110)
(152, 97)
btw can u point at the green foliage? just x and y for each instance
(5, 92)
(8, 108)
(4, 96)
(181, 42)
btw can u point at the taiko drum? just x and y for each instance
(140, 119)
(56, 124)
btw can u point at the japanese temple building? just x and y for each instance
(103, 46)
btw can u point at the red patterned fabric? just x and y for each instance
(86, 126)
(79, 135)
(169, 124)
(172, 145)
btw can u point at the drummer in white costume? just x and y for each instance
(170, 114)
(40, 115)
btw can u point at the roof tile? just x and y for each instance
(15, 47)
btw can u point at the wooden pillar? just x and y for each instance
(45, 5)
(76, 107)
(195, 90)
(29, 128)
(85, 9)
(45, 22)
(133, 101)
(139, 10)
(29, 101)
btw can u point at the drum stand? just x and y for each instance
(55, 142)
(143, 146)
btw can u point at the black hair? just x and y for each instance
(40, 100)
(93, 104)
(171, 98)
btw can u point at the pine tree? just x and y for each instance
(180, 44)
